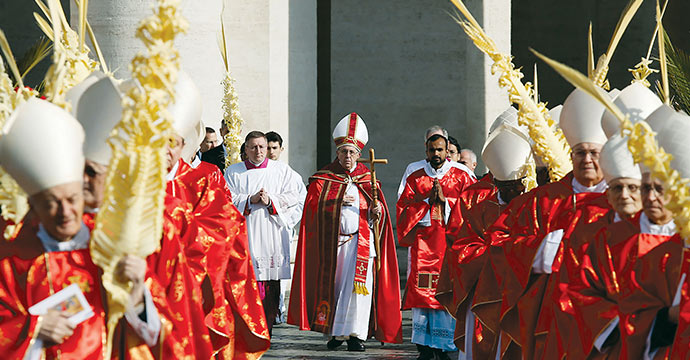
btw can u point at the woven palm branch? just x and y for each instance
(643, 146)
(232, 119)
(71, 61)
(131, 218)
(549, 142)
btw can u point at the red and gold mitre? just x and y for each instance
(351, 130)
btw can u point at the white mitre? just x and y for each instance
(186, 114)
(581, 119)
(506, 153)
(74, 94)
(636, 101)
(99, 110)
(672, 129)
(55, 140)
(616, 161)
(351, 130)
(508, 117)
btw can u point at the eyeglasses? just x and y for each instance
(646, 189)
(581, 154)
(348, 152)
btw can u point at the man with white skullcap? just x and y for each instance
(508, 155)
(422, 215)
(50, 251)
(340, 279)
(530, 238)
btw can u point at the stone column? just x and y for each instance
(276, 80)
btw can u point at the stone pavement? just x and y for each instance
(290, 343)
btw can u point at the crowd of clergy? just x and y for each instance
(511, 265)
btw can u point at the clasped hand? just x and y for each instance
(436, 194)
(260, 197)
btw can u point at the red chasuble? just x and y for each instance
(466, 263)
(628, 274)
(557, 317)
(428, 243)
(519, 233)
(681, 342)
(646, 288)
(27, 276)
(220, 252)
(312, 299)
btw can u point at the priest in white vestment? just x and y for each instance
(268, 193)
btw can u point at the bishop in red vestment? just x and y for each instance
(338, 287)
(422, 214)
(220, 253)
(530, 238)
(623, 178)
(49, 251)
(466, 265)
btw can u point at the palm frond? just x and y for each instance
(678, 62)
(34, 55)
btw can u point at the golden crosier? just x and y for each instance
(549, 142)
(131, 218)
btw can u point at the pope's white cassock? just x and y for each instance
(269, 228)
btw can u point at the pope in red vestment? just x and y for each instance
(220, 253)
(312, 302)
(345, 285)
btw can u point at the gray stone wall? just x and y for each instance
(404, 66)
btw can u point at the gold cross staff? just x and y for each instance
(372, 161)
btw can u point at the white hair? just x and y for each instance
(434, 129)
(473, 156)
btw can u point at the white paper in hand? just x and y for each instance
(70, 300)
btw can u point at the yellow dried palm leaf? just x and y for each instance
(549, 144)
(232, 118)
(603, 65)
(642, 145)
(131, 218)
